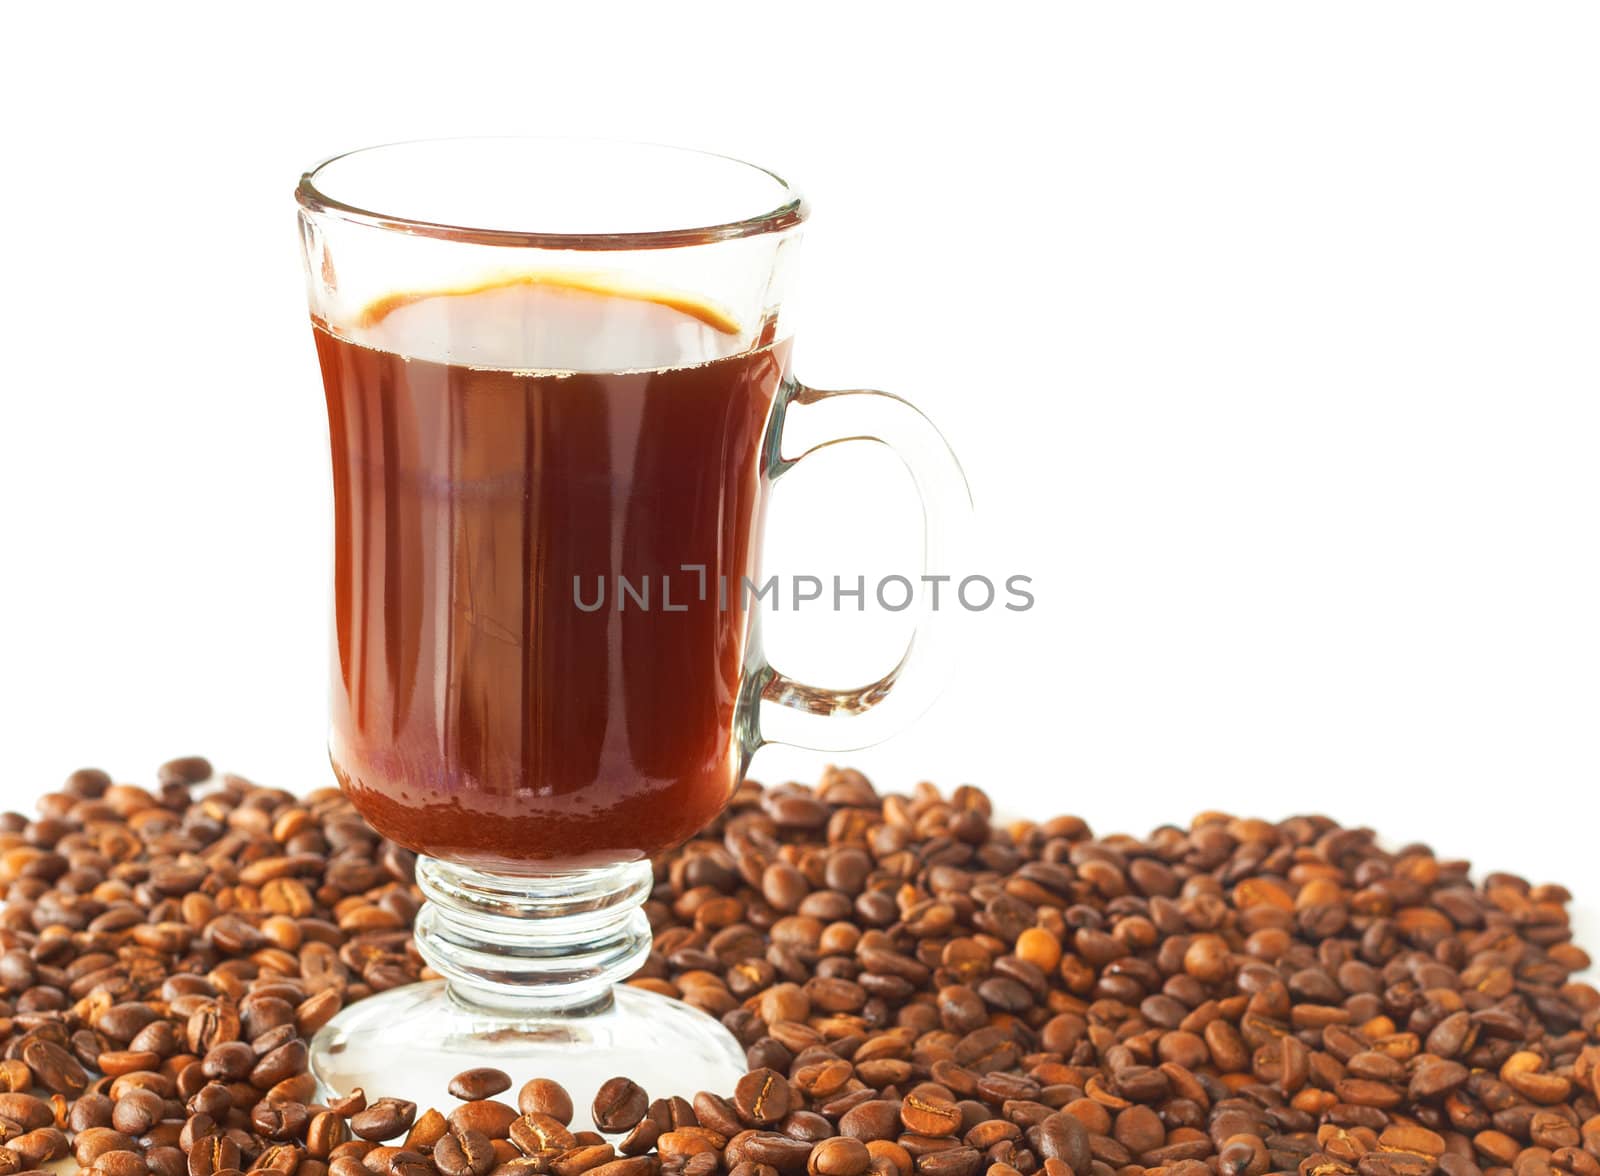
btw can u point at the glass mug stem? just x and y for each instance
(541, 944)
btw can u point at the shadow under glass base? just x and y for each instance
(531, 970)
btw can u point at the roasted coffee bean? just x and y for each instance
(196, 1127)
(15, 1075)
(228, 1061)
(1062, 1137)
(122, 1163)
(761, 1097)
(88, 1111)
(841, 1156)
(717, 1113)
(770, 1148)
(631, 1166)
(164, 1161)
(544, 1096)
(534, 1132)
(481, 1082)
(211, 1099)
(1435, 1077)
(1243, 1155)
(485, 1116)
(1139, 1129)
(428, 1130)
(53, 1067)
(874, 1119)
(188, 769)
(137, 1111)
(325, 1132)
(409, 1163)
(928, 1114)
(619, 1105)
(280, 1063)
(641, 1139)
(521, 1166)
(213, 1154)
(581, 1159)
(282, 1158)
(689, 1141)
(280, 1120)
(350, 1104)
(806, 1125)
(671, 1113)
(37, 1147)
(1387, 1163)
(956, 1161)
(384, 1119)
(464, 1152)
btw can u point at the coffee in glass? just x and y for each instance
(495, 700)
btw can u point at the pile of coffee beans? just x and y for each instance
(921, 992)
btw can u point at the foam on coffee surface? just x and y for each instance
(547, 322)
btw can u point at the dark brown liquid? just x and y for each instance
(479, 714)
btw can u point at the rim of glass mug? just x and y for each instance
(337, 187)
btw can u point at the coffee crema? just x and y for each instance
(481, 466)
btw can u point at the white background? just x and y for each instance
(1266, 332)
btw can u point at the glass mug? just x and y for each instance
(557, 381)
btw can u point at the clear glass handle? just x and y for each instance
(826, 718)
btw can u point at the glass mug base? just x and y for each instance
(530, 971)
(409, 1042)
